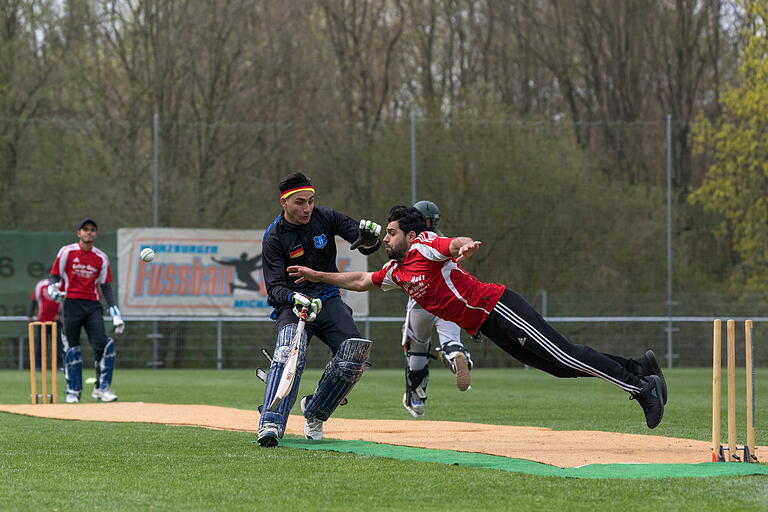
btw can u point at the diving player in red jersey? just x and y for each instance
(426, 266)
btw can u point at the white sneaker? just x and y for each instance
(72, 398)
(414, 403)
(313, 427)
(459, 362)
(461, 368)
(105, 395)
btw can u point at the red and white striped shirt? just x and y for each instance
(47, 309)
(82, 271)
(438, 284)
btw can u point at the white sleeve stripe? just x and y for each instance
(63, 257)
(446, 271)
(388, 283)
(105, 265)
(430, 253)
(426, 236)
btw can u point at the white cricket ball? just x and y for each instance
(147, 254)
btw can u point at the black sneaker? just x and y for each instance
(650, 400)
(650, 366)
(268, 435)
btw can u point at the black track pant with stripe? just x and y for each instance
(520, 331)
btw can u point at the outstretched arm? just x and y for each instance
(463, 247)
(355, 281)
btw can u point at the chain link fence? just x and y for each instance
(237, 343)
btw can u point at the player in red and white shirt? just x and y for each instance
(426, 267)
(79, 273)
(44, 309)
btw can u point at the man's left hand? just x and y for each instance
(55, 293)
(367, 235)
(117, 320)
(467, 250)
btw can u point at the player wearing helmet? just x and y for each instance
(417, 340)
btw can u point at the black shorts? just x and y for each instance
(333, 325)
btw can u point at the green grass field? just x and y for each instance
(55, 465)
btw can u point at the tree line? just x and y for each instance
(540, 124)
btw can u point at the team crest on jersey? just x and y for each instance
(320, 241)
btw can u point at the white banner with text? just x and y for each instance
(206, 272)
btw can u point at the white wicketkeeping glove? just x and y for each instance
(302, 301)
(55, 293)
(367, 235)
(117, 321)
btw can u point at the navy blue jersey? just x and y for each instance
(312, 245)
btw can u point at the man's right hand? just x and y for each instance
(302, 301)
(55, 293)
(368, 235)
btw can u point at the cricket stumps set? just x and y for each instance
(730, 452)
(44, 396)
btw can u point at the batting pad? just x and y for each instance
(481, 460)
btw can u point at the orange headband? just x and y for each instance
(287, 193)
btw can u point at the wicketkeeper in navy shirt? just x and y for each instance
(305, 234)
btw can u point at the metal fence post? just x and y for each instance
(155, 336)
(219, 347)
(669, 302)
(413, 157)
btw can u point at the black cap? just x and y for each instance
(85, 221)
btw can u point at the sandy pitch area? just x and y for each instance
(558, 448)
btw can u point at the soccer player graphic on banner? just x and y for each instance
(304, 234)
(417, 337)
(427, 267)
(81, 268)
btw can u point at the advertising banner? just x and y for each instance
(205, 272)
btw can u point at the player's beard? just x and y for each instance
(396, 253)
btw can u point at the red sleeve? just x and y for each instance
(442, 245)
(55, 267)
(378, 277)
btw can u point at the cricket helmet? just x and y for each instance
(430, 211)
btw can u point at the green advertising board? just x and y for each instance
(27, 256)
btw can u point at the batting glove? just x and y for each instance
(55, 293)
(302, 301)
(117, 321)
(367, 235)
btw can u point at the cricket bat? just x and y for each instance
(289, 370)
